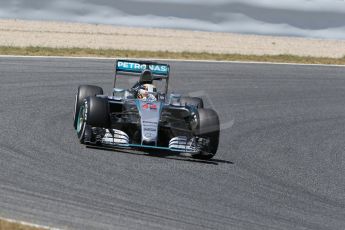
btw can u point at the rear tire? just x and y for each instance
(84, 91)
(194, 101)
(209, 128)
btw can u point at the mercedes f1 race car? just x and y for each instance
(144, 116)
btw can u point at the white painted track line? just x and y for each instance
(174, 60)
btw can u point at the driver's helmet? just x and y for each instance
(147, 91)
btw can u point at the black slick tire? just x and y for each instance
(94, 112)
(208, 127)
(84, 91)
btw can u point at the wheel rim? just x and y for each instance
(80, 120)
(75, 105)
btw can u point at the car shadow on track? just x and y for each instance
(162, 154)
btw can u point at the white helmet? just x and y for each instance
(146, 91)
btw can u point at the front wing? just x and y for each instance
(119, 139)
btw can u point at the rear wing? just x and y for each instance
(136, 67)
(128, 67)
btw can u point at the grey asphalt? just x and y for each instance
(280, 165)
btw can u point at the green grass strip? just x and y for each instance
(87, 52)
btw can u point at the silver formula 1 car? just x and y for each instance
(145, 116)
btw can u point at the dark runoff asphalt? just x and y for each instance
(280, 164)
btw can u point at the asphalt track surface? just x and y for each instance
(280, 165)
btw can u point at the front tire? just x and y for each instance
(84, 91)
(208, 128)
(93, 113)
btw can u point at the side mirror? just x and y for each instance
(118, 93)
(175, 99)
